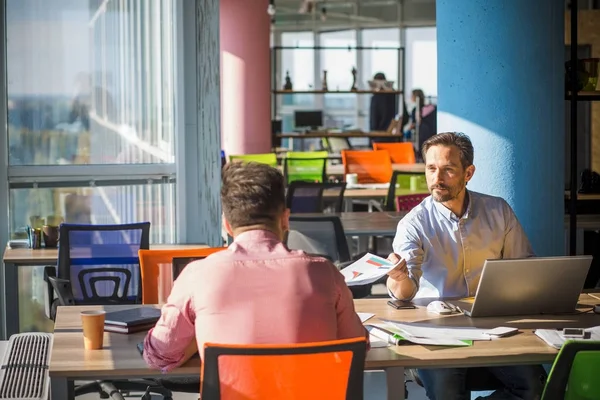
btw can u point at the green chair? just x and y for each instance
(575, 373)
(267, 158)
(305, 166)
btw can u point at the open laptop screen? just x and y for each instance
(179, 263)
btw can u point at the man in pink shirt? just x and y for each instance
(256, 291)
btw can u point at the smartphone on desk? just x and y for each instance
(401, 304)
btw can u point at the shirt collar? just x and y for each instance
(256, 235)
(446, 212)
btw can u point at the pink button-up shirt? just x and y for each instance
(257, 291)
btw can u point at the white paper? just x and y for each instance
(376, 342)
(365, 316)
(434, 332)
(438, 341)
(367, 269)
(554, 338)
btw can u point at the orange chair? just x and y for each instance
(324, 370)
(156, 270)
(374, 166)
(400, 153)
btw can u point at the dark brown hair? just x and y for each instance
(458, 139)
(252, 194)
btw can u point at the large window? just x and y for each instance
(89, 87)
(421, 62)
(338, 63)
(91, 120)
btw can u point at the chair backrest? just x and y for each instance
(373, 166)
(325, 370)
(101, 261)
(157, 275)
(314, 197)
(400, 153)
(335, 144)
(319, 235)
(304, 169)
(427, 127)
(266, 158)
(574, 375)
(307, 154)
(409, 201)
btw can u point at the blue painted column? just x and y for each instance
(501, 81)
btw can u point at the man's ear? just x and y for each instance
(469, 173)
(285, 220)
(227, 227)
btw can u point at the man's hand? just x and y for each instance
(400, 272)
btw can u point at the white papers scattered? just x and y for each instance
(394, 335)
(434, 332)
(554, 338)
(376, 342)
(366, 270)
(365, 316)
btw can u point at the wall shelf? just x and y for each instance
(336, 91)
(593, 95)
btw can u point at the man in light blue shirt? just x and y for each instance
(444, 242)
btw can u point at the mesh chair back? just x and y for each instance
(314, 197)
(266, 158)
(324, 370)
(322, 235)
(304, 169)
(400, 153)
(101, 261)
(371, 166)
(410, 201)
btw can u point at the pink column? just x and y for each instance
(245, 77)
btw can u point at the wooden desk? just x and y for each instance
(326, 134)
(583, 197)
(409, 169)
(9, 283)
(121, 359)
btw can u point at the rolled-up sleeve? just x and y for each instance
(409, 246)
(165, 344)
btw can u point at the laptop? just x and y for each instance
(179, 263)
(527, 286)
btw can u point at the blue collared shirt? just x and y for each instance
(445, 254)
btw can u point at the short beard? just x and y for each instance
(452, 192)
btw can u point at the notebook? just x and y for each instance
(133, 317)
(128, 329)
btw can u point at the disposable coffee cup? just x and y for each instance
(93, 329)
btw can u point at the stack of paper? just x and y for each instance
(391, 335)
(555, 338)
(366, 270)
(434, 332)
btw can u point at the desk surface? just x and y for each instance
(120, 356)
(327, 134)
(49, 256)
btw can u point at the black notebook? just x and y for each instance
(133, 316)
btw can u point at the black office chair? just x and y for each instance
(315, 197)
(99, 265)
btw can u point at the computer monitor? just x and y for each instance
(308, 119)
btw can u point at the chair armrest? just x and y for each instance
(62, 288)
(49, 271)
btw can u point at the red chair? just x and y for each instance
(409, 201)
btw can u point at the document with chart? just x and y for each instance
(367, 269)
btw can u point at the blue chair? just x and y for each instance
(99, 265)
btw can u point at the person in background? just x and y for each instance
(445, 241)
(418, 99)
(257, 291)
(384, 108)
